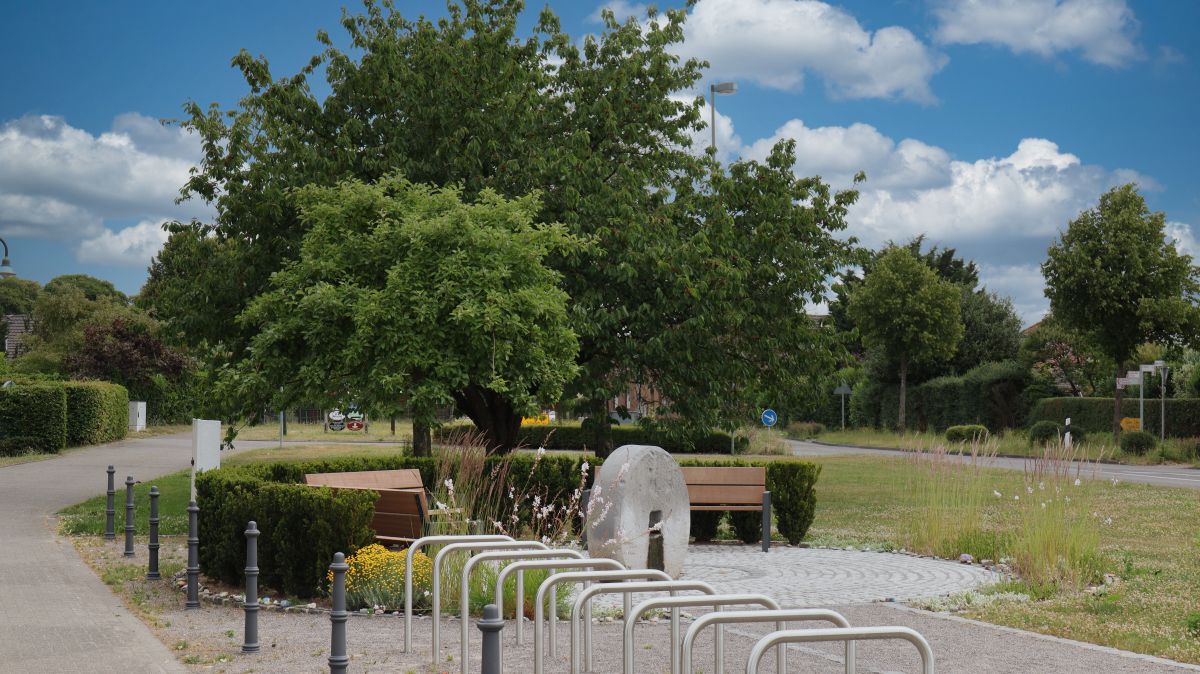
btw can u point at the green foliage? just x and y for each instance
(1138, 443)
(793, 495)
(1043, 432)
(567, 436)
(33, 419)
(1094, 415)
(1116, 277)
(805, 429)
(705, 524)
(17, 296)
(97, 412)
(1192, 624)
(747, 525)
(967, 433)
(403, 290)
(907, 313)
(1066, 358)
(991, 330)
(989, 394)
(94, 289)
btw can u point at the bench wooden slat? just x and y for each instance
(404, 478)
(718, 494)
(733, 475)
(727, 508)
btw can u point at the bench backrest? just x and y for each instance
(400, 513)
(725, 485)
(405, 478)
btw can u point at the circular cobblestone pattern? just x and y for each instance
(815, 577)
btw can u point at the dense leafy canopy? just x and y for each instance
(908, 314)
(599, 127)
(404, 291)
(1116, 277)
(17, 296)
(92, 288)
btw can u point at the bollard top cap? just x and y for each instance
(252, 528)
(111, 469)
(339, 563)
(153, 489)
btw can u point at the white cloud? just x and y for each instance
(1023, 283)
(62, 183)
(621, 9)
(1185, 239)
(1102, 30)
(775, 42)
(131, 246)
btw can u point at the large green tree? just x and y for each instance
(596, 126)
(403, 291)
(1116, 277)
(908, 314)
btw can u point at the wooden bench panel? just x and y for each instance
(718, 494)
(404, 478)
(737, 475)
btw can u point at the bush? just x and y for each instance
(97, 412)
(1094, 415)
(1138, 443)
(988, 395)
(793, 497)
(805, 429)
(705, 524)
(376, 578)
(1043, 432)
(747, 525)
(571, 436)
(33, 419)
(967, 433)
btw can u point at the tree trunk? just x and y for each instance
(1117, 398)
(422, 442)
(903, 390)
(493, 415)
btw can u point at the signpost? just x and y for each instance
(769, 418)
(1162, 398)
(843, 391)
(1143, 371)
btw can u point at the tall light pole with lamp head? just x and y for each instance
(6, 270)
(713, 90)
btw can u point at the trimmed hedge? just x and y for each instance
(97, 412)
(1094, 415)
(989, 395)
(1138, 443)
(967, 433)
(303, 526)
(570, 436)
(33, 419)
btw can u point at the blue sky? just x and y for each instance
(986, 125)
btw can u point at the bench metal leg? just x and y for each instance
(766, 521)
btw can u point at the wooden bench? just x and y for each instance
(734, 488)
(402, 511)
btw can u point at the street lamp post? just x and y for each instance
(713, 90)
(1163, 370)
(6, 270)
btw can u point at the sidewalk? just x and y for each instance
(55, 614)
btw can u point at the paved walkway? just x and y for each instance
(1162, 476)
(55, 614)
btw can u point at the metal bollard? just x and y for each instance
(129, 516)
(490, 626)
(152, 572)
(339, 661)
(766, 522)
(193, 564)
(250, 604)
(110, 512)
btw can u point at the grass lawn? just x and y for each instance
(1095, 447)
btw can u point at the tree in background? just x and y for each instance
(1066, 360)
(404, 291)
(906, 312)
(596, 127)
(1115, 277)
(94, 289)
(17, 296)
(991, 330)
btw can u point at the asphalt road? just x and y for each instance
(1162, 476)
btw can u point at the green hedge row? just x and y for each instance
(303, 526)
(97, 412)
(989, 395)
(33, 419)
(570, 436)
(793, 487)
(1095, 415)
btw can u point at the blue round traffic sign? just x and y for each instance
(769, 417)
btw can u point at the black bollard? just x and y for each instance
(339, 660)
(152, 572)
(766, 522)
(251, 603)
(129, 516)
(110, 511)
(490, 626)
(193, 563)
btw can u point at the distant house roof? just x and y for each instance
(1031, 328)
(18, 326)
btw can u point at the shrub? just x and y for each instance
(967, 433)
(747, 525)
(1094, 415)
(793, 496)
(376, 578)
(805, 429)
(1138, 443)
(571, 436)
(1043, 432)
(33, 419)
(988, 395)
(97, 412)
(705, 524)
(1192, 624)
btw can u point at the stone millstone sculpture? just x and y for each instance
(638, 485)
